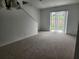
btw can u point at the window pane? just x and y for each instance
(60, 22)
(52, 23)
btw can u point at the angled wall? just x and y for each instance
(16, 25)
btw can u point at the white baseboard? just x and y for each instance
(4, 44)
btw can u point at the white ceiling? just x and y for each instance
(51, 3)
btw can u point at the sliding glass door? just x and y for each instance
(58, 21)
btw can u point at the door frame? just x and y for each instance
(66, 21)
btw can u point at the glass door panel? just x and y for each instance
(58, 21)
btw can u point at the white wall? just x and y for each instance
(17, 24)
(73, 17)
(34, 12)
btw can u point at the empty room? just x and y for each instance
(39, 29)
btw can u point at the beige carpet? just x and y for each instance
(45, 45)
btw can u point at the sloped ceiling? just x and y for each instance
(50, 3)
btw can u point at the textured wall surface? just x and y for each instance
(16, 25)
